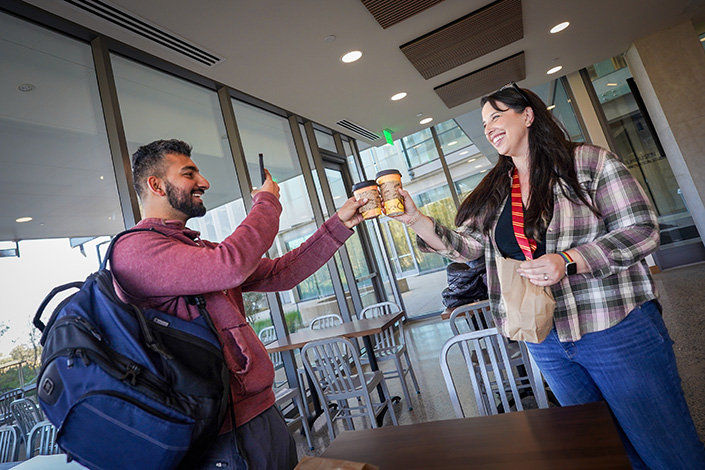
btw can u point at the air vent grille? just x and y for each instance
(351, 126)
(390, 12)
(482, 82)
(467, 38)
(145, 29)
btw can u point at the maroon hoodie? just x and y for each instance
(156, 272)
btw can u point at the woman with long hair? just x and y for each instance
(589, 226)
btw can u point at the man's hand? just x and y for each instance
(349, 214)
(269, 186)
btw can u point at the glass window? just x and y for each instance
(264, 132)
(639, 148)
(416, 157)
(57, 169)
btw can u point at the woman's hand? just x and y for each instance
(269, 186)
(411, 213)
(545, 270)
(349, 213)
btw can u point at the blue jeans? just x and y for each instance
(632, 367)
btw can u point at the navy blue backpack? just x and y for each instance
(126, 387)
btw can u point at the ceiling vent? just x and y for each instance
(147, 30)
(467, 38)
(483, 82)
(390, 12)
(361, 131)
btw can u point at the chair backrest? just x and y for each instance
(26, 414)
(5, 400)
(491, 373)
(9, 444)
(471, 317)
(42, 440)
(391, 336)
(267, 335)
(326, 321)
(333, 362)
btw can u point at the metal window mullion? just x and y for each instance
(446, 170)
(330, 206)
(117, 142)
(574, 107)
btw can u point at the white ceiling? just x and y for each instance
(275, 50)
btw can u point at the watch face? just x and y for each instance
(571, 268)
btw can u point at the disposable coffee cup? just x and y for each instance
(368, 189)
(389, 182)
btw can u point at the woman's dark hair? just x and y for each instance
(551, 158)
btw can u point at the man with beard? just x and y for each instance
(155, 271)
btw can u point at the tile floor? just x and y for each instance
(682, 293)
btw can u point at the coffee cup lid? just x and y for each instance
(364, 184)
(387, 172)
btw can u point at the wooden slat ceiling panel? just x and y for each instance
(390, 12)
(482, 82)
(467, 38)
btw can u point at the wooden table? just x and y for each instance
(354, 329)
(574, 437)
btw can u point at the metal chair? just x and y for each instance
(326, 321)
(26, 414)
(492, 375)
(9, 444)
(294, 394)
(42, 440)
(6, 398)
(339, 376)
(390, 345)
(476, 317)
(471, 317)
(268, 335)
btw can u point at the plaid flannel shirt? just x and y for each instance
(613, 245)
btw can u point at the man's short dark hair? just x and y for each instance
(148, 161)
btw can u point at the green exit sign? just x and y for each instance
(388, 136)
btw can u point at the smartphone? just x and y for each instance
(262, 175)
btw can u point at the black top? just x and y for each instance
(507, 242)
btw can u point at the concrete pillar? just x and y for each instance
(669, 69)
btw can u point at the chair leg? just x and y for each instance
(411, 371)
(304, 421)
(388, 399)
(402, 379)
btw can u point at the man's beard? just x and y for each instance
(183, 201)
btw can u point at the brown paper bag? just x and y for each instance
(320, 463)
(529, 307)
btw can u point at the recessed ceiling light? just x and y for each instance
(551, 107)
(351, 56)
(452, 143)
(612, 84)
(425, 120)
(26, 87)
(329, 38)
(560, 27)
(22, 220)
(464, 152)
(472, 160)
(399, 96)
(102, 177)
(554, 69)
